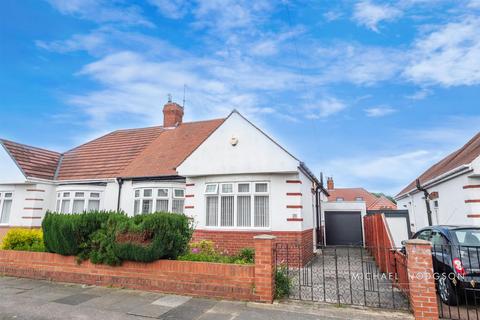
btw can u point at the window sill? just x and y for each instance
(233, 229)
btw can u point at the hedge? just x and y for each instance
(112, 237)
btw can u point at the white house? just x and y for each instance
(233, 179)
(453, 187)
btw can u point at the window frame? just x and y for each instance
(236, 194)
(139, 196)
(3, 198)
(72, 195)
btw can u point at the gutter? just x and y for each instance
(120, 184)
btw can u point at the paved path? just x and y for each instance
(39, 300)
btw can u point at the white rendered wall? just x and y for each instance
(452, 208)
(254, 153)
(308, 202)
(277, 197)
(9, 171)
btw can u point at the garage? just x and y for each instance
(343, 228)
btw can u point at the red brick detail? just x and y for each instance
(294, 181)
(423, 296)
(31, 208)
(264, 268)
(35, 190)
(189, 195)
(231, 242)
(214, 280)
(472, 201)
(294, 219)
(31, 217)
(294, 206)
(477, 215)
(33, 199)
(471, 186)
(190, 184)
(189, 207)
(294, 194)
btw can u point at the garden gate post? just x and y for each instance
(264, 268)
(423, 296)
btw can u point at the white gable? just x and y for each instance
(254, 153)
(9, 171)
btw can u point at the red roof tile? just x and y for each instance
(144, 152)
(463, 156)
(34, 162)
(351, 194)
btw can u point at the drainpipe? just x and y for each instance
(120, 184)
(427, 203)
(318, 211)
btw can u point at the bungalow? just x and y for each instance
(451, 188)
(229, 176)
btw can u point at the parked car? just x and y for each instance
(456, 260)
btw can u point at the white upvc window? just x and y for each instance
(77, 201)
(6, 200)
(242, 204)
(148, 200)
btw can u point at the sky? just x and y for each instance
(369, 92)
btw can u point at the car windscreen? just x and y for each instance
(466, 237)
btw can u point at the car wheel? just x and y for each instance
(447, 291)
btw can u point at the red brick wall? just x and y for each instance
(233, 241)
(225, 281)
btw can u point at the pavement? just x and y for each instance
(41, 300)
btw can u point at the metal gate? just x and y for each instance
(343, 275)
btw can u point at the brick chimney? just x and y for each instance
(172, 115)
(330, 184)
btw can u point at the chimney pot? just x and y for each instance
(172, 115)
(330, 184)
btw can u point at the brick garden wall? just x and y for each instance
(234, 241)
(225, 281)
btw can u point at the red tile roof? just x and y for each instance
(34, 162)
(463, 156)
(351, 194)
(144, 152)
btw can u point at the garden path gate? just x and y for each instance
(344, 275)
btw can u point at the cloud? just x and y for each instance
(420, 94)
(388, 172)
(173, 9)
(325, 108)
(370, 15)
(332, 15)
(448, 56)
(380, 111)
(101, 11)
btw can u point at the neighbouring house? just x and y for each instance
(233, 179)
(342, 214)
(453, 187)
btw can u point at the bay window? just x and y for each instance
(244, 204)
(148, 200)
(77, 201)
(6, 199)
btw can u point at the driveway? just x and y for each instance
(39, 300)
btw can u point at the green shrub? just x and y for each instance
(205, 251)
(24, 240)
(283, 282)
(153, 236)
(69, 234)
(112, 237)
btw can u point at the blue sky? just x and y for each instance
(369, 92)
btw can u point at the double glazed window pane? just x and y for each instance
(227, 211)
(177, 205)
(78, 206)
(163, 193)
(93, 205)
(261, 218)
(261, 187)
(162, 205)
(244, 216)
(65, 206)
(147, 206)
(6, 208)
(212, 211)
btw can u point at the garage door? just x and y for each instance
(343, 228)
